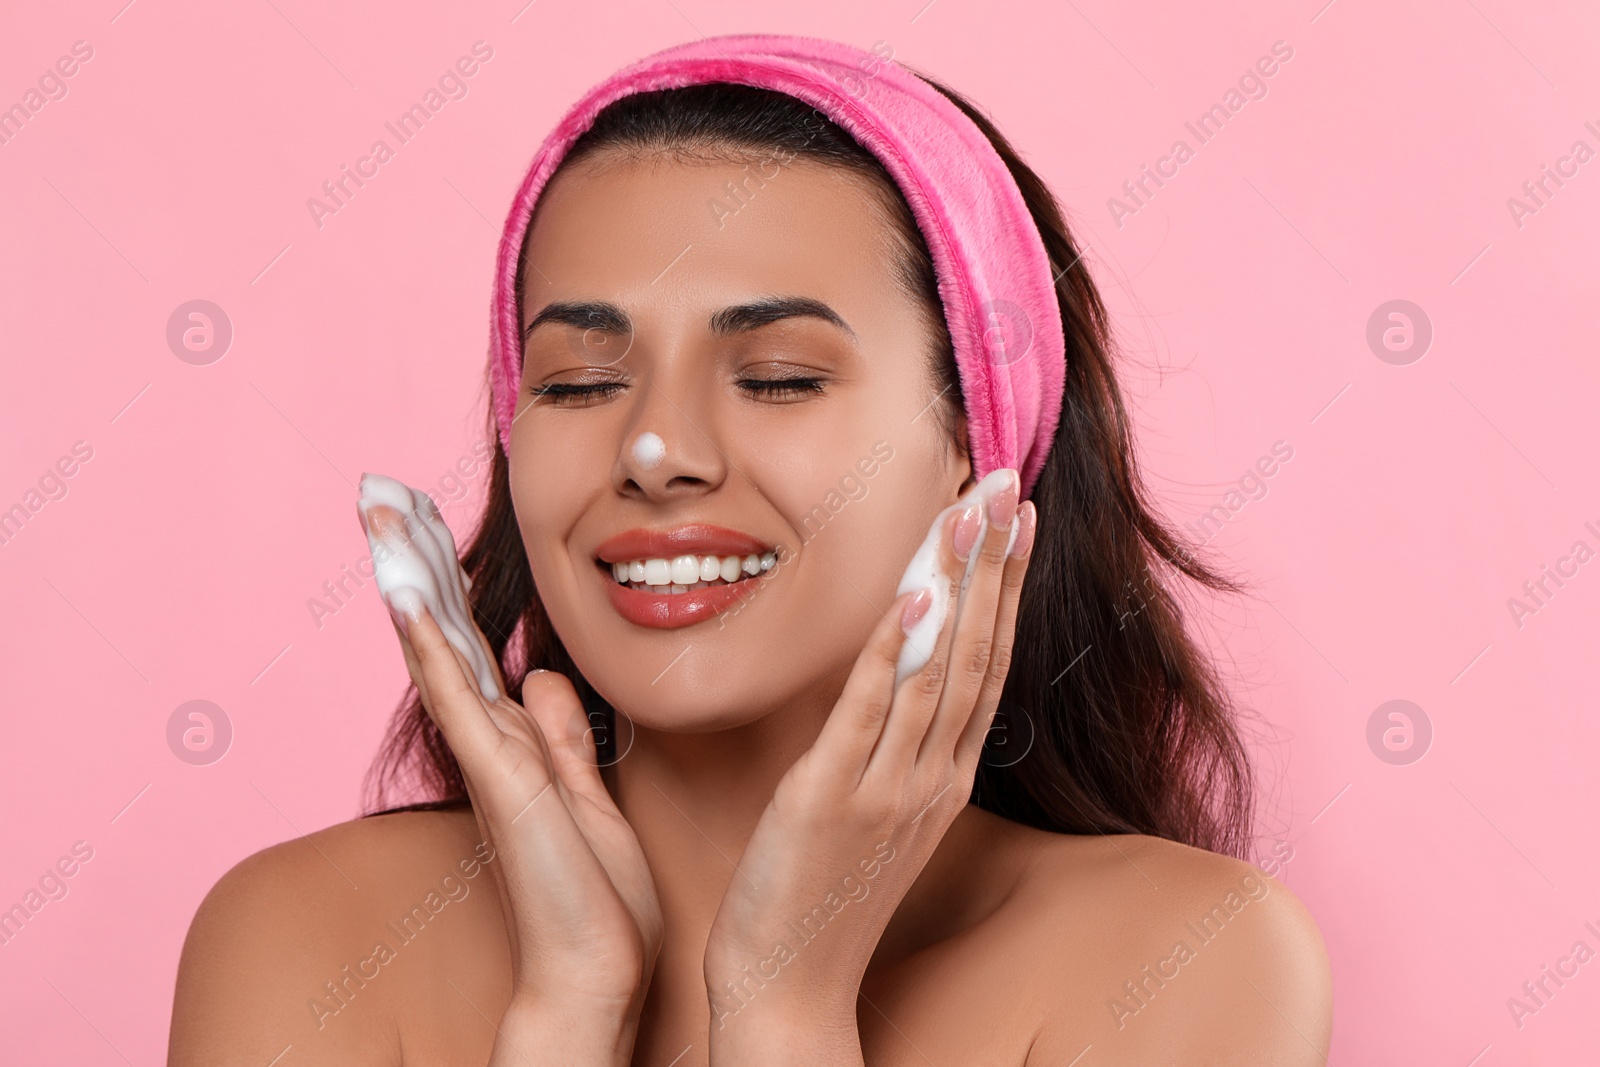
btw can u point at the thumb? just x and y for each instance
(551, 699)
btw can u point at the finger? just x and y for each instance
(856, 724)
(454, 703)
(413, 665)
(437, 547)
(504, 713)
(976, 642)
(476, 732)
(970, 743)
(914, 701)
(553, 703)
(483, 640)
(420, 680)
(420, 553)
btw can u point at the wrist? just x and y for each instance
(775, 1035)
(763, 997)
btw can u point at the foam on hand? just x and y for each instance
(925, 572)
(420, 568)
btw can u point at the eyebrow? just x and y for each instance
(735, 319)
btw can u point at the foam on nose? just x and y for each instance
(649, 450)
(415, 565)
(924, 572)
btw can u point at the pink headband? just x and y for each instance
(995, 279)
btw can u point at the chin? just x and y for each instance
(722, 682)
(688, 714)
(730, 667)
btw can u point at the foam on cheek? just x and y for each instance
(420, 568)
(924, 572)
(649, 450)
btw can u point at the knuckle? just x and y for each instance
(873, 712)
(979, 657)
(1000, 662)
(930, 680)
(994, 546)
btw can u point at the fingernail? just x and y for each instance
(966, 534)
(916, 608)
(1003, 505)
(1028, 521)
(387, 523)
(405, 604)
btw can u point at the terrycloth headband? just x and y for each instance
(994, 276)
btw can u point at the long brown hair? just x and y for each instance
(1121, 721)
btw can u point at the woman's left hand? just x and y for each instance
(856, 818)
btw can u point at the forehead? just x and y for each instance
(663, 231)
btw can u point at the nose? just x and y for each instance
(686, 461)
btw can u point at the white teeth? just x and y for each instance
(681, 573)
(671, 587)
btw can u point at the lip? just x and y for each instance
(697, 539)
(669, 611)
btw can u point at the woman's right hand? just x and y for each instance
(580, 906)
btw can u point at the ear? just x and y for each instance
(963, 464)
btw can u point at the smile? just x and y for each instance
(666, 579)
(682, 574)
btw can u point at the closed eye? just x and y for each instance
(782, 386)
(559, 391)
(563, 394)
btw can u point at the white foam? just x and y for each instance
(423, 569)
(924, 572)
(649, 450)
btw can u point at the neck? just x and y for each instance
(693, 800)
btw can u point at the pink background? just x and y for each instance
(220, 497)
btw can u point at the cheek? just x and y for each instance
(857, 533)
(852, 554)
(551, 483)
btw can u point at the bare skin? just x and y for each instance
(588, 938)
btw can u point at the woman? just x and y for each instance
(761, 823)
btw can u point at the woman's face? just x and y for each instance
(672, 270)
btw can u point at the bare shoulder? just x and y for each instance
(1153, 951)
(317, 944)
